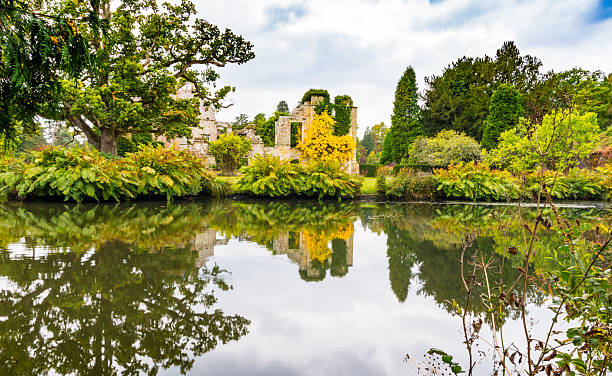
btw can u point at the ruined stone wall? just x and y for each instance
(210, 129)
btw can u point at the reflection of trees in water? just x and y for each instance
(117, 309)
(83, 227)
(430, 236)
(138, 300)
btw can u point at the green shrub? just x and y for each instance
(381, 184)
(318, 92)
(131, 144)
(605, 180)
(85, 174)
(326, 179)
(171, 173)
(476, 182)
(368, 170)
(270, 176)
(445, 148)
(410, 185)
(519, 148)
(578, 184)
(75, 174)
(230, 151)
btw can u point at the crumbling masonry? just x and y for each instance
(210, 129)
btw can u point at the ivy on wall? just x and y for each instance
(296, 132)
(343, 105)
(317, 92)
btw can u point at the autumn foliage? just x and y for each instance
(322, 145)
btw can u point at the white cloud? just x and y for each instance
(361, 47)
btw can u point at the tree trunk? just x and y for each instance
(108, 141)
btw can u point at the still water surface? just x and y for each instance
(229, 288)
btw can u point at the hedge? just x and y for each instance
(368, 169)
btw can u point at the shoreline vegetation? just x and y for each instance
(154, 172)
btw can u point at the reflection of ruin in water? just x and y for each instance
(292, 244)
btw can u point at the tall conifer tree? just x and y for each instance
(406, 119)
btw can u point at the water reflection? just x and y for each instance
(127, 288)
(114, 289)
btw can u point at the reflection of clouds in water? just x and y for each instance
(349, 326)
(352, 322)
(352, 325)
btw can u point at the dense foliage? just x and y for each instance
(343, 106)
(272, 177)
(505, 112)
(372, 142)
(445, 148)
(147, 52)
(459, 98)
(405, 121)
(409, 184)
(37, 51)
(266, 129)
(282, 107)
(320, 143)
(230, 151)
(317, 92)
(81, 174)
(563, 140)
(368, 170)
(476, 182)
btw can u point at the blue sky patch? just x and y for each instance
(278, 15)
(602, 11)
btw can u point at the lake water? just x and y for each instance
(258, 288)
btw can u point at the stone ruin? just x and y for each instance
(210, 129)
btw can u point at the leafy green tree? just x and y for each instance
(504, 113)
(566, 137)
(267, 129)
(459, 98)
(386, 155)
(588, 91)
(379, 131)
(148, 52)
(282, 107)
(37, 50)
(259, 118)
(240, 122)
(406, 119)
(373, 158)
(230, 151)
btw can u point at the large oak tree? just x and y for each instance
(147, 53)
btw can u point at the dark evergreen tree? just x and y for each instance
(406, 119)
(240, 122)
(386, 155)
(282, 107)
(459, 98)
(504, 113)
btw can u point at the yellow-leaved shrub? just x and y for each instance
(321, 144)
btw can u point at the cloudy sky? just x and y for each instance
(361, 47)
